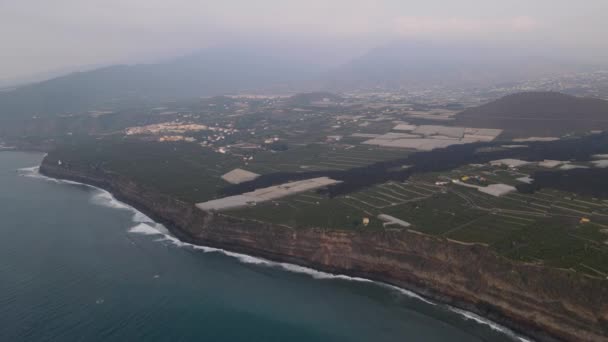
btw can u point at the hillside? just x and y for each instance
(211, 72)
(266, 67)
(539, 114)
(307, 99)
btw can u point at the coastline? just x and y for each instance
(143, 227)
(480, 313)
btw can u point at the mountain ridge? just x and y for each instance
(414, 64)
(211, 72)
(226, 70)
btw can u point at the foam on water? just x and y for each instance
(494, 326)
(603, 163)
(31, 169)
(144, 229)
(247, 259)
(140, 217)
(146, 226)
(33, 172)
(104, 198)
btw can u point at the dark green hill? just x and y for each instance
(307, 99)
(539, 114)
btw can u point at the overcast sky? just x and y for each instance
(47, 35)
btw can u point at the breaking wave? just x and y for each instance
(103, 198)
(144, 225)
(144, 229)
(247, 259)
(34, 172)
(494, 326)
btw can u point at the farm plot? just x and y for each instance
(316, 157)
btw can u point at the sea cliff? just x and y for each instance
(541, 302)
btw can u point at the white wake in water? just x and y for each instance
(146, 226)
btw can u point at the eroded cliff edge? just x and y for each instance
(544, 303)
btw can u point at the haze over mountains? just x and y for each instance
(207, 73)
(258, 68)
(416, 64)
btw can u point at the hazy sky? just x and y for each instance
(46, 35)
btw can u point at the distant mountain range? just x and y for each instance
(226, 70)
(412, 65)
(539, 114)
(210, 72)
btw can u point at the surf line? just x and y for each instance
(146, 226)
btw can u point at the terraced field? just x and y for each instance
(548, 227)
(317, 157)
(554, 227)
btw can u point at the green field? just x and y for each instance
(543, 227)
(183, 170)
(315, 157)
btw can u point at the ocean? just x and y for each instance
(77, 265)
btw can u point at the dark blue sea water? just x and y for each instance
(76, 265)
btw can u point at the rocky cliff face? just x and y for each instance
(547, 304)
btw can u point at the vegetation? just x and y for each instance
(546, 226)
(557, 221)
(180, 169)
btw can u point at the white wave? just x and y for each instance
(100, 197)
(494, 326)
(146, 226)
(141, 217)
(320, 275)
(408, 293)
(144, 229)
(29, 169)
(34, 172)
(104, 198)
(248, 259)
